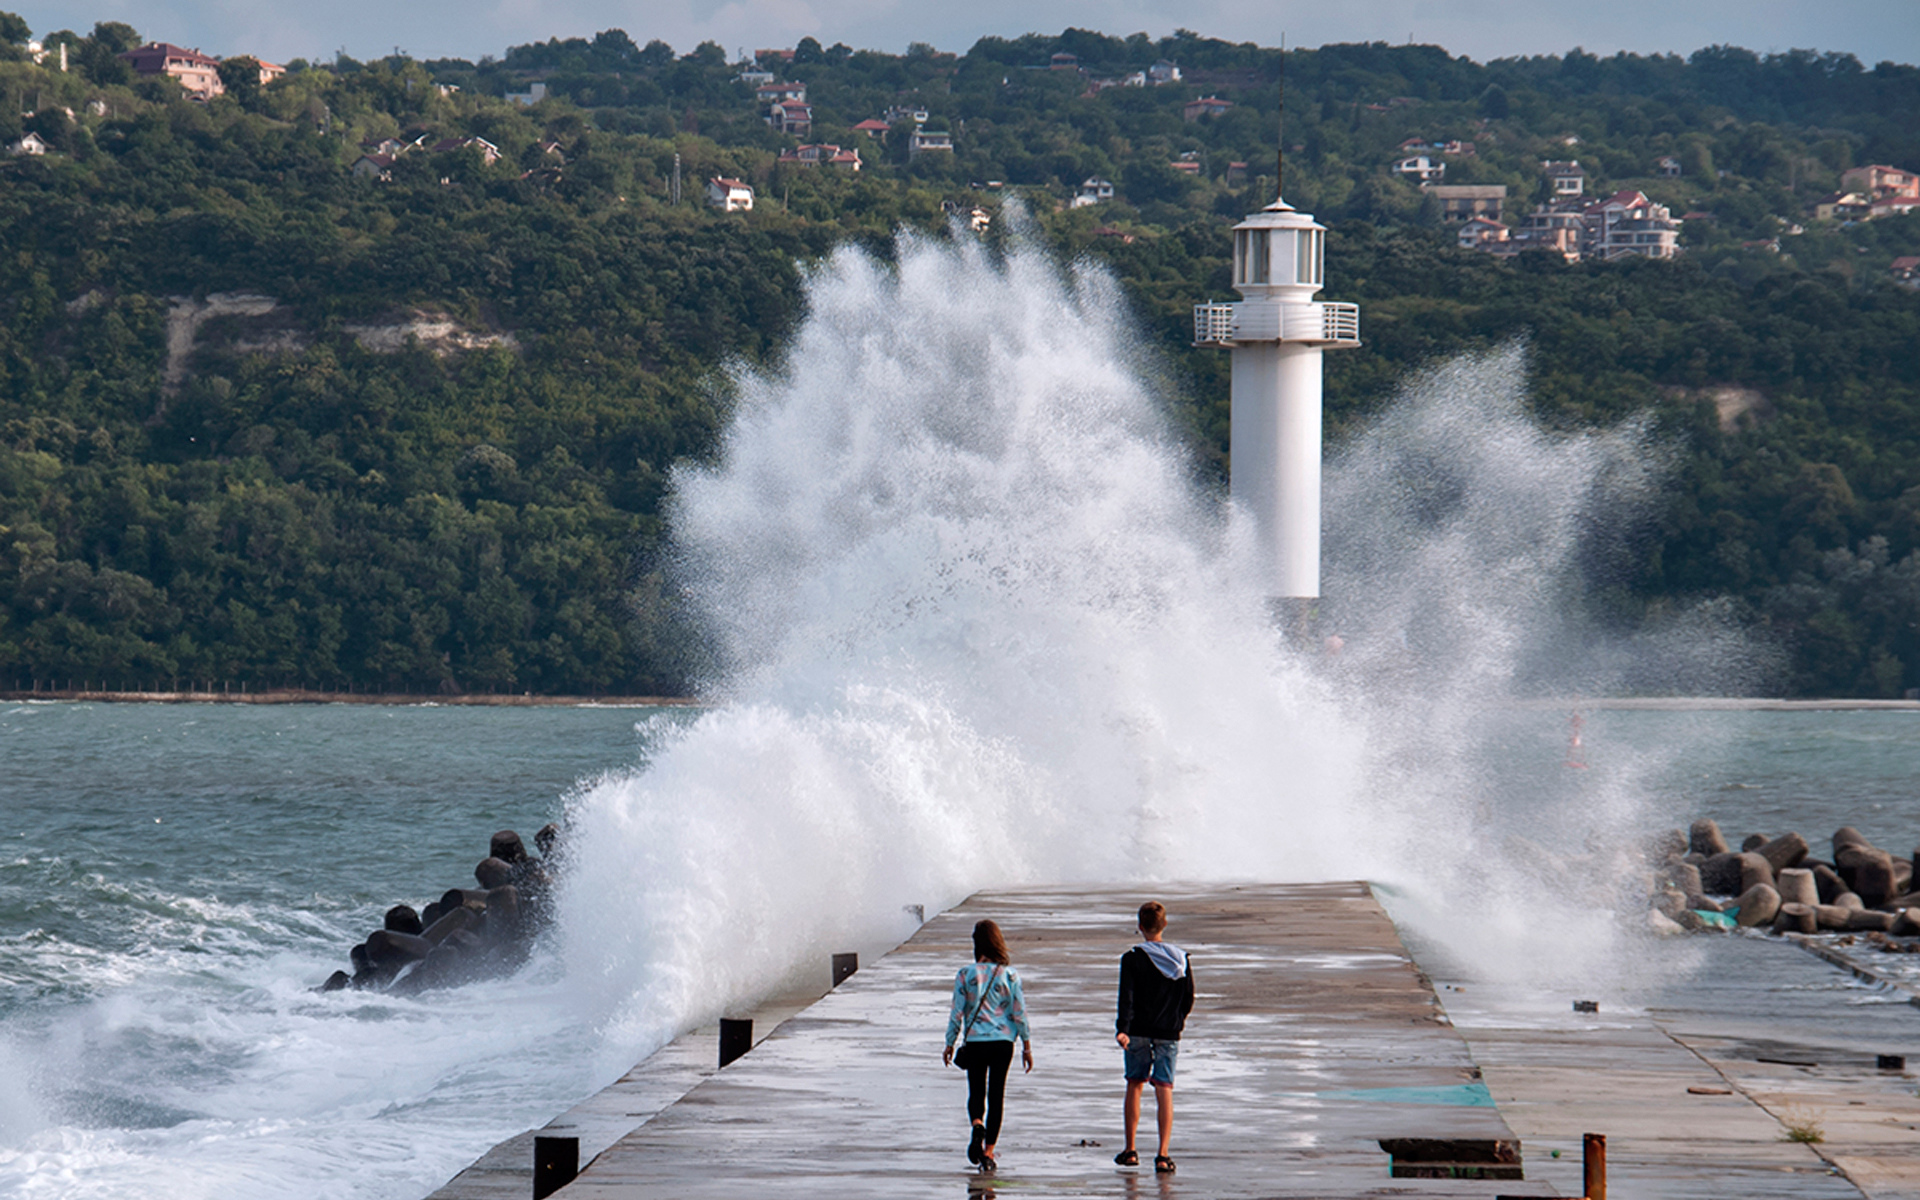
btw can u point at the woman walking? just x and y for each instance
(988, 1012)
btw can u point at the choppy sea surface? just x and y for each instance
(174, 880)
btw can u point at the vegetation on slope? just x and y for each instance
(297, 500)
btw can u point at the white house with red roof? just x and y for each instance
(822, 155)
(1482, 233)
(1628, 224)
(489, 153)
(791, 116)
(1205, 106)
(729, 195)
(775, 93)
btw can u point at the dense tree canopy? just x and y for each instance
(430, 453)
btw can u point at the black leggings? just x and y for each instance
(987, 1084)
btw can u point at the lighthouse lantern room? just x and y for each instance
(1277, 333)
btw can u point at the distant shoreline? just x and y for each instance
(304, 696)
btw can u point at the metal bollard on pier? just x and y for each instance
(556, 1161)
(736, 1038)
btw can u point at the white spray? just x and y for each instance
(980, 628)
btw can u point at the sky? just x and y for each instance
(1873, 30)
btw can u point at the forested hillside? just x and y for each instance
(264, 418)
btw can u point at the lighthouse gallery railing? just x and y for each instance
(1323, 322)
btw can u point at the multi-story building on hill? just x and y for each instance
(198, 73)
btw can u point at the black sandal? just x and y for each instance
(1126, 1158)
(988, 1165)
(973, 1147)
(1163, 1164)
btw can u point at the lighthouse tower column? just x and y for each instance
(1277, 334)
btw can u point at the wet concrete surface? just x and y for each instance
(1313, 1037)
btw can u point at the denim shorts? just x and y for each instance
(1151, 1059)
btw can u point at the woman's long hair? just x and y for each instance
(989, 945)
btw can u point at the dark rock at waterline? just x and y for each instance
(1704, 838)
(493, 873)
(1906, 922)
(358, 956)
(1845, 836)
(1754, 842)
(1758, 905)
(1868, 921)
(474, 898)
(549, 835)
(1787, 850)
(402, 919)
(336, 982)
(1902, 875)
(1829, 883)
(1685, 877)
(1795, 918)
(507, 847)
(1849, 900)
(453, 921)
(1720, 875)
(1831, 916)
(385, 948)
(1873, 878)
(1754, 871)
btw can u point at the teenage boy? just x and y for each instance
(1156, 994)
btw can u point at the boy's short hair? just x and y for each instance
(1153, 917)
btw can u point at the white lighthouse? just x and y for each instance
(1277, 333)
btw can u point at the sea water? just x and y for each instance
(177, 878)
(976, 623)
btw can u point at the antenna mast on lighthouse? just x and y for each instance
(1277, 334)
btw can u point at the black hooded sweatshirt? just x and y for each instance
(1151, 1005)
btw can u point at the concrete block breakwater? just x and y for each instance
(1702, 884)
(468, 933)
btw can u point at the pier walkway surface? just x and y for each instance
(1314, 1037)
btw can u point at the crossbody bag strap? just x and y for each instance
(966, 1030)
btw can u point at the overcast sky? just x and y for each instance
(1874, 30)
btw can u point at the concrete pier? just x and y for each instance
(1314, 1037)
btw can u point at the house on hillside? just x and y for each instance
(729, 195)
(776, 93)
(535, 93)
(1421, 168)
(1481, 233)
(198, 73)
(1667, 167)
(926, 141)
(874, 127)
(1064, 62)
(29, 144)
(1163, 72)
(1568, 178)
(391, 146)
(899, 112)
(1205, 106)
(489, 153)
(1892, 206)
(1459, 149)
(1093, 190)
(1879, 181)
(1464, 202)
(791, 116)
(1842, 206)
(822, 155)
(1544, 229)
(1627, 224)
(1906, 271)
(377, 167)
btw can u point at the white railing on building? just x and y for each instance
(1321, 323)
(1213, 324)
(1340, 323)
